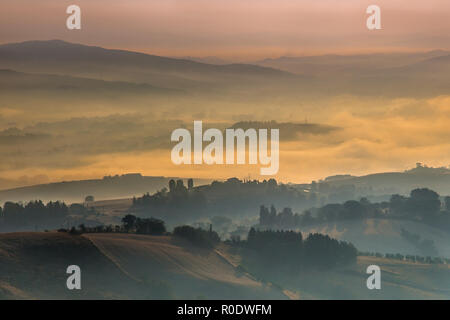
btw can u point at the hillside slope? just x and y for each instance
(118, 266)
(62, 57)
(384, 235)
(399, 280)
(13, 81)
(126, 266)
(33, 266)
(124, 186)
(191, 271)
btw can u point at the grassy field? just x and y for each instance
(119, 266)
(399, 280)
(128, 266)
(111, 211)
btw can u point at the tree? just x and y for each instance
(364, 201)
(13, 214)
(171, 185)
(272, 214)
(190, 183)
(129, 222)
(82, 228)
(325, 252)
(150, 226)
(397, 204)
(272, 183)
(251, 235)
(287, 251)
(264, 216)
(89, 199)
(199, 237)
(447, 203)
(424, 203)
(353, 209)
(179, 188)
(286, 217)
(330, 212)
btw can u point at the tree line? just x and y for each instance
(154, 227)
(288, 250)
(285, 247)
(407, 257)
(422, 205)
(35, 214)
(232, 197)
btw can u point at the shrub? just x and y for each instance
(197, 236)
(150, 226)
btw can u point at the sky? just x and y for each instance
(234, 29)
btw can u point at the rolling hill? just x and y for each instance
(420, 74)
(33, 266)
(11, 80)
(385, 235)
(387, 183)
(60, 57)
(127, 266)
(124, 186)
(350, 64)
(399, 280)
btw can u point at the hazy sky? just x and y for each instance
(234, 28)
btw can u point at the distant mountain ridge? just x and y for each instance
(14, 80)
(347, 64)
(419, 74)
(60, 57)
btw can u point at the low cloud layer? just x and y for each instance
(366, 136)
